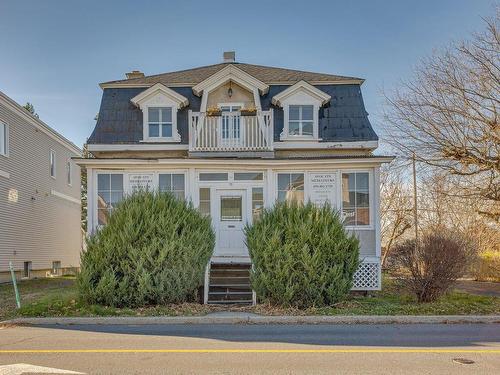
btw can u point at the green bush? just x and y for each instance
(302, 256)
(153, 250)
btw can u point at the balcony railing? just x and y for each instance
(231, 132)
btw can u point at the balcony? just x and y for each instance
(231, 132)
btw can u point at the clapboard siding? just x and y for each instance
(40, 227)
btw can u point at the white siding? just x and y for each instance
(40, 227)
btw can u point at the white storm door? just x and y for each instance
(230, 219)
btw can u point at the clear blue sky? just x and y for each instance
(54, 53)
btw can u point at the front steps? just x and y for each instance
(230, 284)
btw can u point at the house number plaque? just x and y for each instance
(140, 181)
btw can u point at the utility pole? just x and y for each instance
(415, 208)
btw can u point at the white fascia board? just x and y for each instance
(145, 146)
(314, 145)
(181, 100)
(228, 73)
(39, 124)
(279, 98)
(65, 196)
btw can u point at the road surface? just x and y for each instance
(247, 349)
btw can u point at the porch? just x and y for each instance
(231, 132)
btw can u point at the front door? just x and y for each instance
(230, 219)
(231, 124)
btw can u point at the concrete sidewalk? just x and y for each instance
(248, 318)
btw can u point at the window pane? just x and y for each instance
(257, 203)
(307, 112)
(307, 128)
(103, 182)
(294, 128)
(3, 139)
(361, 181)
(230, 208)
(349, 216)
(103, 199)
(116, 197)
(204, 194)
(294, 113)
(178, 182)
(205, 208)
(102, 216)
(297, 180)
(282, 195)
(205, 201)
(166, 130)
(166, 114)
(283, 181)
(257, 176)
(362, 199)
(164, 182)
(117, 182)
(153, 114)
(363, 216)
(355, 198)
(213, 177)
(154, 130)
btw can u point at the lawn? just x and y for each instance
(59, 297)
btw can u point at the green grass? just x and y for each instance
(59, 297)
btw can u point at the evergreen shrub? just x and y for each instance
(302, 256)
(153, 250)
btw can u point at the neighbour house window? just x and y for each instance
(257, 203)
(27, 269)
(205, 201)
(356, 198)
(52, 161)
(109, 194)
(213, 176)
(173, 183)
(69, 177)
(291, 187)
(3, 139)
(160, 122)
(56, 267)
(300, 120)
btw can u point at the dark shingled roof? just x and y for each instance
(266, 74)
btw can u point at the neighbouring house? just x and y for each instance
(234, 138)
(40, 216)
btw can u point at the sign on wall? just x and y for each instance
(140, 181)
(322, 186)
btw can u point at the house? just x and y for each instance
(39, 196)
(234, 138)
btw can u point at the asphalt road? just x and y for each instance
(246, 349)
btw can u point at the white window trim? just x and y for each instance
(52, 159)
(6, 153)
(371, 196)
(69, 172)
(286, 136)
(276, 176)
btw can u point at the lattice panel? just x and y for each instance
(367, 277)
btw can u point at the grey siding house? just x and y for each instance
(39, 196)
(234, 138)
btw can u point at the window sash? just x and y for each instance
(162, 124)
(292, 187)
(174, 183)
(356, 199)
(52, 161)
(110, 192)
(69, 177)
(297, 124)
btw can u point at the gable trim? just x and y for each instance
(181, 100)
(314, 92)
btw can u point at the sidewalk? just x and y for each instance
(248, 318)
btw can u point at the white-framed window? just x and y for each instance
(301, 120)
(173, 182)
(257, 203)
(4, 139)
(56, 267)
(27, 266)
(356, 198)
(109, 193)
(291, 187)
(204, 204)
(69, 172)
(160, 122)
(52, 163)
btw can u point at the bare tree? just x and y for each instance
(448, 116)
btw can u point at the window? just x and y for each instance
(4, 135)
(56, 268)
(213, 176)
(27, 270)
(356, 198)
(231, 208)
(248, 176)
(69, 177)
(291, 187)
(109, 194)
(300, 120)
(230, 121)
(52, 160)
(160, 122)
(205, 201)
(257, 203)
(173, 183)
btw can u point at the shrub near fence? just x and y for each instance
(153, 250)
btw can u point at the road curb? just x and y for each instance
(251, 319)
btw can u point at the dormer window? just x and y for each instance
(160, 122)
(300, 120)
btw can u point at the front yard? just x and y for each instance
(58, 297)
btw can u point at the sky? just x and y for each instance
(55, 53)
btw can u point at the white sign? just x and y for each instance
(140, 181)
(322, 188)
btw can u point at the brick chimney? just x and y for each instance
(229, 56)
(134, 74)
